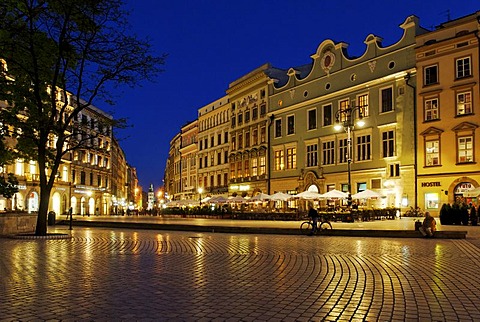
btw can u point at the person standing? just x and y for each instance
(313, 213)
(429, 225)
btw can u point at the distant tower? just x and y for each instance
(151, 198)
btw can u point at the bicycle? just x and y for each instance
(322, 225)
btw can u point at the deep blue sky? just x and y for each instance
(212, 43)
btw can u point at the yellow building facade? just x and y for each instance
(448, 107)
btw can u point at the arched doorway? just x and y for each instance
(91, 206)
(32, 202)
(73, 204)
(56, 202)
(83, 206)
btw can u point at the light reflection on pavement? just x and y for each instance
(114, 274)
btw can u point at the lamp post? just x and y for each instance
(344, 118)
(200, 190)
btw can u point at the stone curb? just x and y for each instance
(261, 230)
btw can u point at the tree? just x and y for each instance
(55, 47)
(8, 185)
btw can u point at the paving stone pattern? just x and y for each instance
(112, 274)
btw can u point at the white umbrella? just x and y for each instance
(218, 199)
(309, 195)
(334, 194)
(260, 197)
(280, 196)
(206, 199)
(367, 194)
(236, 199)
(472, 193)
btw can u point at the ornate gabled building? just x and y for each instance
(213, 148)
(448, 104)
(305, 103)
(249, 123)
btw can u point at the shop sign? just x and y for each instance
(240, 187)
(463, 187)
(431, 184)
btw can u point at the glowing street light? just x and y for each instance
(344, 119)
(200, 190)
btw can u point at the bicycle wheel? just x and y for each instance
(325, 226)
(306, 227)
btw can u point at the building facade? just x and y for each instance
(308, 154)
(448, 101)
(188, 165)
(213, 148)
(248, 133)
(91, 166)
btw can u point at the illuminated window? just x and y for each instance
(464, 103)
(362, 101)
(432, 200)
(279, 161)
(254, 167)
(432, 155)
(465, 149)
(239, 169)
(262, 165)
(431, 109)
(291, 158)
(343, 106)
(247, 168)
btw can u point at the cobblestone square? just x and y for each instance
(113, 274)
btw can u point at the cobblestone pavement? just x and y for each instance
(112, 274)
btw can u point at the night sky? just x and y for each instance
(212, 43)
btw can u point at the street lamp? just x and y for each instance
(344, 118)
(200, 190)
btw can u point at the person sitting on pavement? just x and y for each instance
(429, 225)
(312, 213)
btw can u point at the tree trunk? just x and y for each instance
(41, 229)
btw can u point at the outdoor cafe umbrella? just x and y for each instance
(367, 194)
(309, 195)
(334, 194)
(280, 196)
(236, 199)
(218, 199)
(260, 197)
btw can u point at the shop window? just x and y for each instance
(432, 200)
